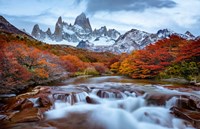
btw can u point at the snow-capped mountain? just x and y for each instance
(72, 34)
(100, 44)
(132, 40)
(81, 35)
(136, 39)
(164, 33)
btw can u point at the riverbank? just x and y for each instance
(21, 88)
(176, 80)
(181, 81)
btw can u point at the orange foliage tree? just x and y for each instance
(72, 63)
(100, 68)
(40, 63)
(11, 72)
(190, 52)
(148, 62)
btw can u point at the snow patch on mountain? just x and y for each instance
(64, 42)
(68, 31)
(73, 34)
(82, 36)
(103, 41)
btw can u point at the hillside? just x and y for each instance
(25, 61)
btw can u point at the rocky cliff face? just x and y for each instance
(58, 30)
(102, 39)
(49, 33)
(80, 31)
(104, 32)
(83, 22)
(38, 33)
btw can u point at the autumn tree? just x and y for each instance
(41, 64)
(150, 61)
(11, 72)
(186, 64)
(72, 63)
(100, 68)
(190, 52)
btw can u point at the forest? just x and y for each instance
(172, 57)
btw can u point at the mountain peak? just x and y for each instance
(83, 21)
(36, 26)
(58, 30)
(164, 31)
(103, 27)
(48, 31)
(189, 34)
(82, 15)
(59, 20)
(36, 31)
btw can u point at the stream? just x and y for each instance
(106, 102)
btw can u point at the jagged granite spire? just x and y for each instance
(59, 20)
(49, 33)
(36, 31)
(58, 30)
(83, 22)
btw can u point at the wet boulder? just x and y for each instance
(17, 104)
(194, 102)
(110, 93)
(190, 102)
(159, 98)
(45, 102)
(92, 100)
(38, 91)
(27, 115)
(192, 116)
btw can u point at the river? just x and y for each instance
(112, 102)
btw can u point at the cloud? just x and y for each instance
(123, 15)
(36, 7)
(127, 5)
(182, 17)
(26, 13)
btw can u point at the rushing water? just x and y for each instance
(110, 102)
(113, 105)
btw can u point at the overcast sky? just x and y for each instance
(123, 15)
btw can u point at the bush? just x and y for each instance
(91, 71)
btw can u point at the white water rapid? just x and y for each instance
(109, 105)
